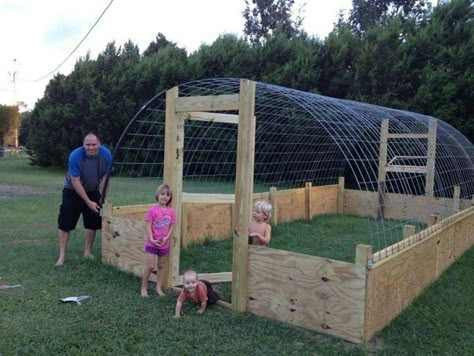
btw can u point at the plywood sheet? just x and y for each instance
(361, 203)
(123, 246)
(324, 199)
(395, 281)
(203, 221)
(291, 204)
(307, 291)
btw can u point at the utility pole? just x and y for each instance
(15, 101)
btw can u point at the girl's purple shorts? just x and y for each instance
(158, 251)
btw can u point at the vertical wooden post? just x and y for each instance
(382, 168)
(274, 202)
(309, 211)
(456, 198)
(431, 154)
(408, 230)
(184, 225)
(433, 219)
(173, 175)
(363, 254)
(340, 196)
(243, 193)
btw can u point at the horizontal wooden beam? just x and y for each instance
(210, 277)
(211, 117)
(223, 102)
(130, 209)
(406, 169)
(407, 135)
(208, 198)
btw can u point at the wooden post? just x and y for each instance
(408, 230)
(243, 193)
(274, 202)
(340, 196)
(363, 254)
(433, 219)
(382, 168)
(173, 175)
(184, 225)
(309, 211)
(456, 198)
(431, 154)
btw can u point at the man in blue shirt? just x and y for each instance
(88, 167)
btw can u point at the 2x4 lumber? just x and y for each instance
(274, 202)
(382, 167)
(225, 102)
(433, 220)
(456, 198)
(431, 153)
(210, 277)
(130, 209)
(407, 135)
(211, 117)
(340, 196)
(406, 169)
(208, 198)
(173, 175)
(308, 200)
(243, 193)
(363, 254)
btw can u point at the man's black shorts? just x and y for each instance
(73, 206)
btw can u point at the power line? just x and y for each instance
(75, 48)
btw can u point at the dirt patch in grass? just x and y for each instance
(11, 191)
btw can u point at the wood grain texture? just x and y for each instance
(324, 200)
(431, 153)
(306, 291)
(243, 193)
(394, 282)
(207, 221)
(340, 195)
(291, 204)
(123, 244)
(226, 102)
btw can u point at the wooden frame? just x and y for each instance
(350, 297)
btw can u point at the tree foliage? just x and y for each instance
(263, 17)
(424, 64)
(9, 123)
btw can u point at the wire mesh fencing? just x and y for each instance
(303, 137)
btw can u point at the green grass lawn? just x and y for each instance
(117, 321)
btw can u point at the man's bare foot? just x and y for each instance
(89, 256)
(160, 293)
(144, 293)
(60, 262)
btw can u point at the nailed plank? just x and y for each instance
(308, 200)
(208, 198)
(210, 277)
(130, 209)
(394, 282)
(207, 221)
(173, 175)
(310, 292)
(324, 199)
(399, 168)
(243, 193)
(225, 102)
(407, 135)
(430, 163)
(382, 168)
(340, 195)
(211, 117)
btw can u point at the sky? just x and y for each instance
(41, 34)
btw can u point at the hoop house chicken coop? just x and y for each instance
(223, 143)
